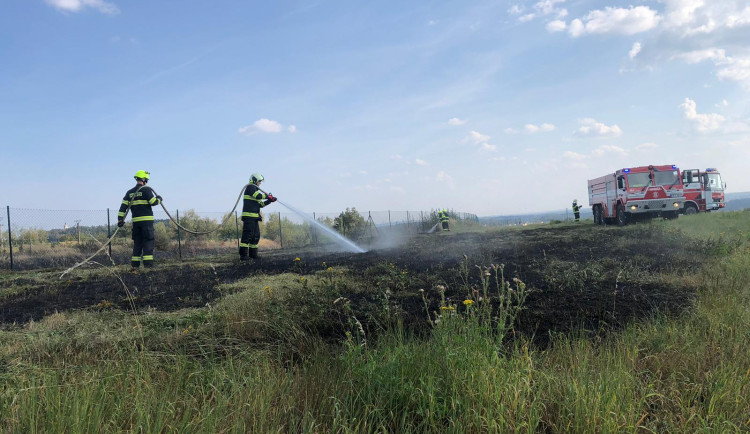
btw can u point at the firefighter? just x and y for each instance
(576, 210)
(140, 198)
(254, 200)
(444, 221)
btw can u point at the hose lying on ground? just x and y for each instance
(170, 217)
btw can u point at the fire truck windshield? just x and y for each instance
(637, 180)
(714, 181)
(667, 178)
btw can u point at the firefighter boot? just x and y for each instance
(243, 254)
(254, 253)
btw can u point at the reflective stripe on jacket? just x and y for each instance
(140, 208)
(252, 201)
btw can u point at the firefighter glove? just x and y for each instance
(271, 197)
(120, 223)
(159, 198)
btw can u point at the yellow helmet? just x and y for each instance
(256, 178)
(141, 174)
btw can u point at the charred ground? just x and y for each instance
(581, 275)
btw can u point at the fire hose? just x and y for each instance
(104, 245)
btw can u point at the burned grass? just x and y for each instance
(580, 275)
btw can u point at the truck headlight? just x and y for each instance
(633, 207)
(676, 204)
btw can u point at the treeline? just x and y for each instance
(275, 227)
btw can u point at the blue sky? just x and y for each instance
(491, 107)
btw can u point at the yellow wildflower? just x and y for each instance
(468, 302)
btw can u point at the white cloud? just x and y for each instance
(591, 128)
(292, 129)
(480, 139)
(608, 149)
(702, 17)
(704, 122)
(543, 8)
(446, 179)
(531, 128)
(723, 103)
(396, 157)
(515, 10)
(697, 56)
(635, 19)
(456, 121)
(420, 162)
(510, 131)
(477, 138)
(79, 5)
(574, 156)
(646, 146)
(556, 26)
(635, 50)
(432, 22)
(549, 7)
(261, 126)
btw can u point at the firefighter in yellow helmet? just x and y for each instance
(140, 199)
(253, 201)
(576, 210)
(444, 220)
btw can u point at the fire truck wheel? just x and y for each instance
(690, 209)
(622, 219)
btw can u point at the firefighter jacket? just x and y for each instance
(576, 207)
(253, 201)
(140, 208)
(443, 216)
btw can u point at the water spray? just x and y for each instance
(340, 239)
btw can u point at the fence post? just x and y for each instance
(237, 227)
(407, 219)
(421, 219)
(10, 237)
(389, 219)
(281, 238)
(109, 234)
(179, 238)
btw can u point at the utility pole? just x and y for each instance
(78, 231)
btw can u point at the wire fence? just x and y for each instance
(42, 238)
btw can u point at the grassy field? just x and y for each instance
(554, 328)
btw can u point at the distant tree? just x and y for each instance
(228, 229)
(191, 220)
(350, 223)
(161, 236)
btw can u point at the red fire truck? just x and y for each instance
(704, 190)
(630, 193)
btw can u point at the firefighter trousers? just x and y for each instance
(250, 238)
(143, 244)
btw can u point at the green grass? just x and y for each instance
(257, 361)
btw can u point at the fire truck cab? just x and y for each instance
(704, 190)
(629, 193)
